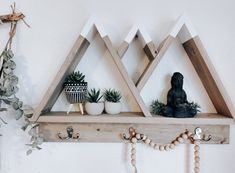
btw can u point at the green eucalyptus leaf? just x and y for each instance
(25, 126)
(39, 140)
(10, 80)
(32, 132)
(3, 109)
(39, 148)
(29, 152)
(18, 114)
(8, 67)
(7, 54)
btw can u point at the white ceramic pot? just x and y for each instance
(94, 108)
(113, 108)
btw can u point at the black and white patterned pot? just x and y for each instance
(76, 92)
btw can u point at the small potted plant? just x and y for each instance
(76, 89)
(93, 105)
(112, 101)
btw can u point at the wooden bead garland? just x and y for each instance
(135, 137)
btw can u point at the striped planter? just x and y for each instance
(76, 92)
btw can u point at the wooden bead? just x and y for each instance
(133, 162)
(189, 134)
(176, 143)
(137, 136)
(167, 148)
(184, 136)
(133, 150)
(196, 153)
(196, 169)
(147, 141)
(133, 156)
(195, 137)
(197, 164)
(144, 137)
(156, 147)
(133, 146)
(161, 148)
(180, 140)
(172, 146)
(196, 142)
(133, 140)
(152, 144)
(196, 147)
(133, 133)
(197, 159)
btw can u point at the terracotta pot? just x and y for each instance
(113, 108)
(94, 108)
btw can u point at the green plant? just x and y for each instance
(157, 107)
(36, 140)
(111, 95)
(76, 77)
(94, 96)
(193, 106)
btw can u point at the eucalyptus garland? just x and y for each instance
(9, 82)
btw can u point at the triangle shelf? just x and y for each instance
(201, 62)
(138, 32)
(107, 128)
(91, 28)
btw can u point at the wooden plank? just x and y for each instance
(150, 50)
(135, 118)
(56, 86)
(103, 132)
(122, 49)
(126, 77)
(152, 65)
(205, 70)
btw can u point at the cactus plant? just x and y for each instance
(112, 95)
(76, 77)
(94, 96)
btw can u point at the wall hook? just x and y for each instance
(70, 134)
(132, 134)
(201, 137)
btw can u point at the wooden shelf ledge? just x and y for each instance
(134, 118)
(108, 128)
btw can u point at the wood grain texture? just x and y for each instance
(134, 117)
(205, 70)
(126, 77)
(56, 87)
(153, 64)
(14, 17)
(150, 50)
(122, 49)
(103, 132)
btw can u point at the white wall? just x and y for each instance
(41, 50)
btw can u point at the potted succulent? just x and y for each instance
(76, 89)
(112, 101)
(93, 105)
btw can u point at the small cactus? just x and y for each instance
(94, 96)
(76, 77)
(111, 95)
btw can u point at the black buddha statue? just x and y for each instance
(177, 104)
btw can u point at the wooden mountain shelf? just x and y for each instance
(135, 118)
(108, 128)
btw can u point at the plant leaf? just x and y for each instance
(29, 152)
(19, 114)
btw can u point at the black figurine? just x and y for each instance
(177, 103)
